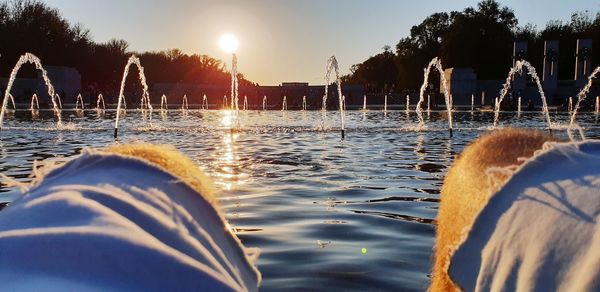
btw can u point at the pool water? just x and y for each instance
(327, 214)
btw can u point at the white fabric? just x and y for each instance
(107, 222)
(540, 232)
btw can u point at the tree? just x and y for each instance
(376, 73)
(32, 26)
(482, 39)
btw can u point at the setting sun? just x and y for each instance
(228, 43)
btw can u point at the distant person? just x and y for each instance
(130, 217)
(519, 212)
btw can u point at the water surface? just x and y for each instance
(353, 214)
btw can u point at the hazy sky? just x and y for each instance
(285, 40)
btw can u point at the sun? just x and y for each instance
(228, 43)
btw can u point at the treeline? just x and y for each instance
(32, 26)
(481, 38)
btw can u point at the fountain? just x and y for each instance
(518, 68)
(12, 101)
(204, 102)
(496, 105)
(79, 102)
(407, 103)
(59, 101)
(30, 58)
(581, 96)
(304, 103)
(483, 98)
(597, 109)
(35, 105)
(245, 103)
(324, 108)
(332, 64)
(385, 103)
(164, 104)
(184, 103)
(570, 107)
(437, 64)
(224, 101)
(264, 103)
(284, 103)
(428, 103)
(234, 83)
(100, 100)
(519, 106)
(133, 60)
(472, 102)
(364, 102)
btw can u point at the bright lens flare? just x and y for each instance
(228, 43)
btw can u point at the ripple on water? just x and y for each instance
(289, 186)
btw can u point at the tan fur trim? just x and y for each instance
(476, 174)
(172, 161)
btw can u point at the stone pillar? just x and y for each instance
(550, 77)
(462, 83)
(519, 53)
(583, 66)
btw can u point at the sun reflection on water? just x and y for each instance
(230, 171)
(227, 120)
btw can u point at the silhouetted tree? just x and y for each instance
(480, 37)
(376, 73)
(32, 26)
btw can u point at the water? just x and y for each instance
(12, 101)
(164, 103)
(264, 103)
(385, 102)
(145, 102)
(436, 64)
(309, 200)
(234, 83)
(24, 59)
(408, 104)
(245, 102)
(79, 104)
(100, 101)
(35, 105)
(581, 95)
(364, 102)
(303, 103)
(184, 103)
(518, 69)
(332, 65)
(570, 106)
(483, 98)
(57, 111)
(204, 102)
(428, 103)
(284, 103)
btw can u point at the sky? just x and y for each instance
(281, 40)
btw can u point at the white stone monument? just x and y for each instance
(583, 65)
(550, 77)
